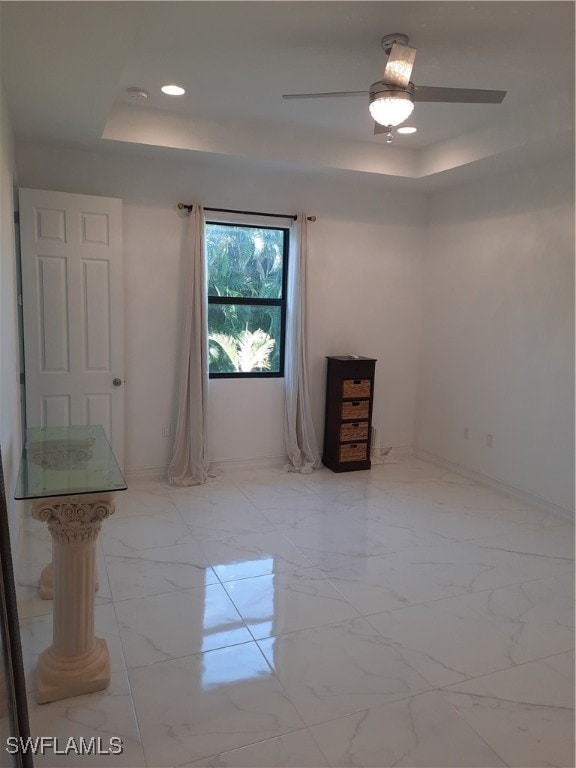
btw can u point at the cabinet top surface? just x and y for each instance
(349, 358)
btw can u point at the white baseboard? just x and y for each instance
(497, 485)
(261, 462)
(226, 465)
(153, 473)
(399, 451)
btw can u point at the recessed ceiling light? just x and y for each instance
(173, 90)
(407, 129)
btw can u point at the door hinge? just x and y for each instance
(19, 299)
(22, 379)
(16, 217)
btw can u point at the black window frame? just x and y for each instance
(253, 302)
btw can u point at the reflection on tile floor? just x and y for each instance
(403, 616)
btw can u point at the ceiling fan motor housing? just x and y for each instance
(389, 40)
(380, 87)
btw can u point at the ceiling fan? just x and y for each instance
(392, 98)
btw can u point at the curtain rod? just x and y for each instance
(182, 206)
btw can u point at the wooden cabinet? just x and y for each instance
(349, 397)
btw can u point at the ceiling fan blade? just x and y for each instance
(324, 95)
(380, 128)
(457, 95)
(399, 66)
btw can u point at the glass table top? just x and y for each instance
(65, 461)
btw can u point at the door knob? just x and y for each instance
(117, 382)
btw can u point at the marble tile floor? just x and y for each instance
(404, 616)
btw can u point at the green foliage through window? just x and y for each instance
(246, 295)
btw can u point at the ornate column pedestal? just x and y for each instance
(47, 581)
(77, 662)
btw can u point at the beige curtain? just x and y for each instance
(299, 435)
(189, 464)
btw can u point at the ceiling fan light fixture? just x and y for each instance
(390, 107)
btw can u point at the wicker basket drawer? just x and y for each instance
(354, 452)
(353, 432)
(356, 388)
(356, 409)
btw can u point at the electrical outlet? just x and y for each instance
(466, 433)
(489, 440)
(166, 430)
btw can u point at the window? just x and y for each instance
(247, 269)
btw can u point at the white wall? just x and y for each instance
(364, 286)
(497, 351)
(10, 430)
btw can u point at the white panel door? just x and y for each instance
(73, 312)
